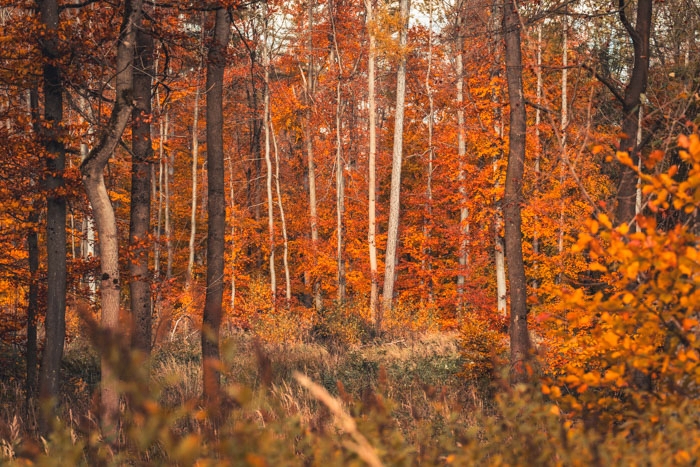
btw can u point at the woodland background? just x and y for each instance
(201, 199)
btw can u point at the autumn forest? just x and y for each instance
(384, 232)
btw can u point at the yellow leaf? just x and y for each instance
(611, 338)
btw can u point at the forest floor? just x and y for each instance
(419, 376)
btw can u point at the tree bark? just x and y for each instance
(339, 167)
(461, 154)
(308, 136)
(92, 173)
(372, 182)
(140, 220)
(55, 323)
(268, 161)
(640, 34)
(519, 336)
(195, 161)
(395, 196)
(33, 260)
(216, 208)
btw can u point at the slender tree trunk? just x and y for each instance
(268, 163)
(216, 207)
(499, 245)
(285, 257)
(92, 173)
(141, 168)
(563, 125)
(394, 199)
(193, 207)
(169, 163)
(339, 167)
(372, 182)
(56, 215)
(308, 136)
(233, 233)
(640, 34)
(519, 336)
(461, 154)
(538, 150)
(33, 260)
(428, 219)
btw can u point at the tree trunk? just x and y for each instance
(308, 136)
(394, 199)
(339, 167)
(372, 182)
(640, 34)
(538, 150)
(285, 257)
(216, 208)
(428, 218)
(140, 221)
(519, 337)
(33, 260)
(268, 159)
(55, 323)
(461, 154)
(92, 173)
(193, 207)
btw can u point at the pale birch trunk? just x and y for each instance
(280, 205)
(538, 150)
(428, 219)
(461, 155)
(372, 182)
(395, 196)
(268, 163)
(313, 215)
(193, 208)
(563, 124)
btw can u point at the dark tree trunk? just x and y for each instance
(32, 306)
(519, 337)
(141, 167)
(216, 208)
(33, 260)
(640, 34)
(56, 214)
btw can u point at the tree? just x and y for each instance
(216, 207)
(631, 104)
(395, 199)
(140, 220)
(372, 169)
(512, 200)
(56, 214)
(92, 168)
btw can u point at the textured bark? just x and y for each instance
(395, 196)
(519, 336)
(32, 306)
(31, 383)
(105, 222)
(140, 220)
(640, 34)
(216, 208)
(55, 323)
(372, 182)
